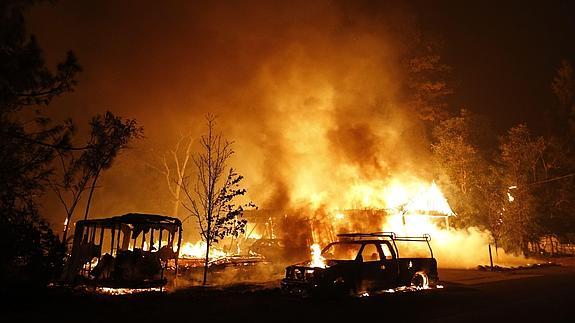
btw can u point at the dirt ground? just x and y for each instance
(531, 295)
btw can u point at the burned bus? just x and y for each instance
(128, 251)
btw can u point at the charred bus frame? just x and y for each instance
(107, 242)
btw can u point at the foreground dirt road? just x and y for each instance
(534, 295)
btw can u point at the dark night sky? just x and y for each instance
(504, 53)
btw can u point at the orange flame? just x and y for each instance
(317, 260)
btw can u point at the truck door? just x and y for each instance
(376, 270)
(389, 266)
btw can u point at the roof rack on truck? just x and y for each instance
(356, 236)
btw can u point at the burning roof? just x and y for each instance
(429, 201)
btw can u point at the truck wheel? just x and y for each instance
(420, 280)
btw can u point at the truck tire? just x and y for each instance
(420, 280)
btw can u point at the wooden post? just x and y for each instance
(112, 241)
(118, 240)
(90, 235)
(93, 237)
(490, 258)
(178, 251)
(134, 243)
(101, 236)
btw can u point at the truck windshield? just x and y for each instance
(341, 251)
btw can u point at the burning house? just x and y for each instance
(287, 234)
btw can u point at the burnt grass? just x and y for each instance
(543, 295)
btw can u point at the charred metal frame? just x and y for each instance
(89, 240)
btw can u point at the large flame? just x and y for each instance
(198, 250)
(410, 208)
(317, 260)
(425, 210)
(396, 195)
(412, 212)
(193, 250)
(429, 200)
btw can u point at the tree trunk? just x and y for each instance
(181, 175)
(65, 234)
(176, 206)
(208, 242)
(69, 215)
(177, 193)
(525, 247)
(206, 262)
(91, 194)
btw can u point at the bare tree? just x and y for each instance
(211, 196)
(175, 166)
(176, 181)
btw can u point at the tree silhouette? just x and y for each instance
(29, 146)
(109, 135)
(521, 158)
(211, 197)
(563, 86)
(427, 83)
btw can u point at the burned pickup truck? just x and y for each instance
(363, 262)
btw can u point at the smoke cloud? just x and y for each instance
(309, 92)
(313, 94)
